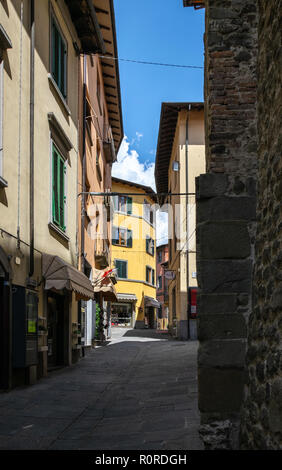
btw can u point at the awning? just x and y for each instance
(150, 302)
(61, 275)
(103, 284)
(128, 297)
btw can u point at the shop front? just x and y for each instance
(151, 305)
(123, 311)
(65, 286)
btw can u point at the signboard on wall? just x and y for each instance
(169, 274)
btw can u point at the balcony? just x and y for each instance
(102, 253)
(108, 146)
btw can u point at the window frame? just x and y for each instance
(53, 19)
(150, 270)
(128, 236)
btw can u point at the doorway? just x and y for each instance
(56, 330)
(150, 314)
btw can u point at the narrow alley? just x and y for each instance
(137, 392)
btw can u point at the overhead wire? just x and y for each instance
(145, 62)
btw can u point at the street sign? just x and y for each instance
(169, 274)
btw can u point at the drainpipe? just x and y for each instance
(187, 217)
(83, 166)
(31, 182)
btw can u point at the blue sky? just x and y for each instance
(157, 31)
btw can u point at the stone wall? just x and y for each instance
(262, 417)
(226, 216)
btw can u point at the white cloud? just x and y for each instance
(130, 168)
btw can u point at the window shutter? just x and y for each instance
(115, 202)
(56, 217)
(118, 267)
(147, 244)
(115, 236)
(124, 269)
(153, 247)
(129, 205)
(153, 277)
(147, 274)
(62, 193)
(129, 238)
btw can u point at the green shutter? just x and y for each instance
(58, 58)
(56, 215)
(129, 205)
(59, 199)
(147, 243)
(124, 269)
(153, 277)
(121, 268)
(129, 238)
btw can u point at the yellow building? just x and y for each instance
(134, 255)
(180, 158)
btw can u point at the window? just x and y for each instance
(121, 267)
(150, 245)
(122, 237)
(123, 204)
(58, 185)
(148, 213)
(160, 256)
(150, 275)
(160, 282)
(58, 57)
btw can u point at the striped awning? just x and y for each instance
(150, 302)
(128, 297)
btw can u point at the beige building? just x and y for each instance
(101, 132)
(40, 285)
(180, 158)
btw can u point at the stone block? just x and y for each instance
(226, 208)
(226, 239)
(275, 406)
(220, 390)
(225, 276)
(216, 303)
(211, 185)
(222, 353)
(231, 326)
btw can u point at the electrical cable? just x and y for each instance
(145, 62)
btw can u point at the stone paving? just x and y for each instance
(137, 392)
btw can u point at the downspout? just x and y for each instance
(187, 217)
(31, 182)
(82, 266)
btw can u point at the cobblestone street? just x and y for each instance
(138, 392)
